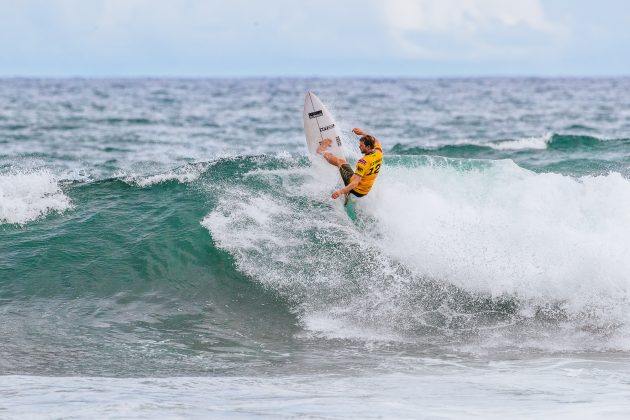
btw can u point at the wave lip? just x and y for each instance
(25, 197)
(531, 143)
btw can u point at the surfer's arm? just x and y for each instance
(360, 132)
(354, 181)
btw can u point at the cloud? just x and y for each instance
(459, 29)
(327, 37)
(112, 27)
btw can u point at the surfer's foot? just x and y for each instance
(323, 145)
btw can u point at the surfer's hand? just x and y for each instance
(358, 131)
(336, 194)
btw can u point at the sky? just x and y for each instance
(321, 38)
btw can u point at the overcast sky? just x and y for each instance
(423, 38)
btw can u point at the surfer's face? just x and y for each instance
(363, 148)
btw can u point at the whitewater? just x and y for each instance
(166, 250)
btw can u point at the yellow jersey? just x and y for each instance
(368, 168)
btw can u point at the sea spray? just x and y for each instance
(441, 243)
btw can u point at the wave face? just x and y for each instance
(129, 270)
(173, 228)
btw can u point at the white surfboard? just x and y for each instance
(319, 124)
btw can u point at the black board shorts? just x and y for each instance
(346, 173)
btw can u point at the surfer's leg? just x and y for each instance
(330, 158)
(346, 172)
(334, 160)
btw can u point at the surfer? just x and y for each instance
(360, 181)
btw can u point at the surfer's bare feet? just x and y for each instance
(323, 145)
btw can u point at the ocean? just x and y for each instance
(167, 250)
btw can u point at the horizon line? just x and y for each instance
(303, 77)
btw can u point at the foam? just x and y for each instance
(411, 387)
(331, 324)
(25, 197)
(507, 230)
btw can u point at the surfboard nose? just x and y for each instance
(313, 100)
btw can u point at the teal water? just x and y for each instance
(170, 237)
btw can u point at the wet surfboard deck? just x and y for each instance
(319, 124)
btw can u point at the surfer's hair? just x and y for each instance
(368, 140)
